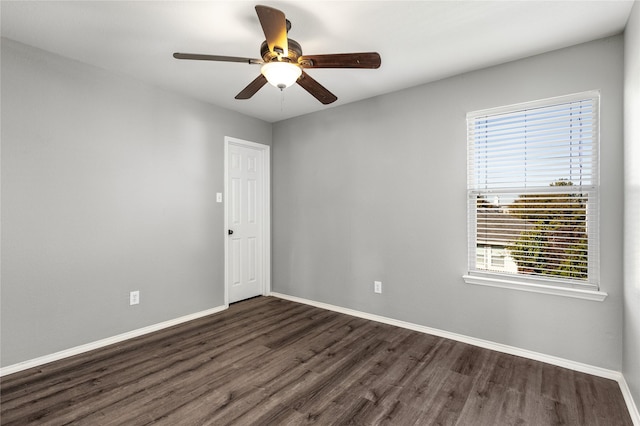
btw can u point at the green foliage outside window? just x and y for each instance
(554, 242)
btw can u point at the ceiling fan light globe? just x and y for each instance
(281, 74)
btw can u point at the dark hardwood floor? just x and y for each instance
(268, 361)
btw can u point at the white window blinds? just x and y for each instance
(533, 190)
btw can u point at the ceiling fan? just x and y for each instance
(283, 62)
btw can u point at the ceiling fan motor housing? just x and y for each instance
(295, 51)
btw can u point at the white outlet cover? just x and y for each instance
(218, 197)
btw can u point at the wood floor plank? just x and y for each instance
(268, 361)
(445, 398)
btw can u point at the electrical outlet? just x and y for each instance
(377, 286)
(134, 297)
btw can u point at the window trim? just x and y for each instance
(545, 285)
(530, 286)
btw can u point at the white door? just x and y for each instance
(246, 219)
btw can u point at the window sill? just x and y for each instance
(597, 296)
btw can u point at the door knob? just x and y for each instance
(230, 231)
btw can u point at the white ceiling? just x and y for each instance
(419, 41)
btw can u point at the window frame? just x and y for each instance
(590, 289)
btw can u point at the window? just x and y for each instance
(532, 189)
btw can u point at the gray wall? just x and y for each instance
(631, 354)
(108, 186)
(376, 190)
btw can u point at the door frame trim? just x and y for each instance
(266, 213)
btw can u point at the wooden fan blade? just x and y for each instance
(274, 25)
(252, 88)
(341, 60)
(198, 57)
(316, 89)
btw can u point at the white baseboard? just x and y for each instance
(631, 405)
(549, 359)
(10, 369)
